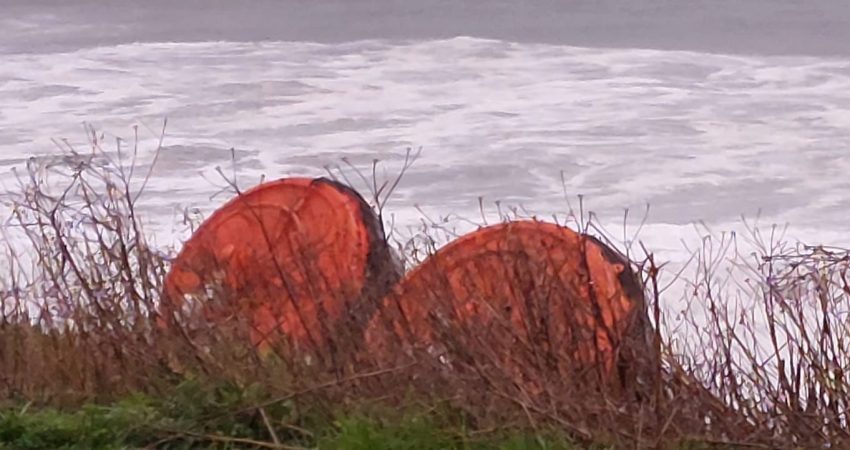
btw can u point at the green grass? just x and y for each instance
(422, 434)
(94, 427)
(194, 417)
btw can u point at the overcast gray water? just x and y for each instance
(814, 27)
(707, 110)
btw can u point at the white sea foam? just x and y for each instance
(697, 136)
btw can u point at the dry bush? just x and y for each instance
(81, 299)
(760, 361)
(82, 282)
(765, 333)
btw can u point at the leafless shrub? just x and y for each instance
(759, 357)
(766, 332)
(82, 283)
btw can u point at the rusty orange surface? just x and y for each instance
(289, 255)
(539, 283)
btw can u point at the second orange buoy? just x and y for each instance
(525, 285)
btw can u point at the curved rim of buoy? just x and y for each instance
(628, 279)
(382, 271)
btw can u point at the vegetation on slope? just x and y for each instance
(756, 357)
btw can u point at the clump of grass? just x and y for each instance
(760, 361)
(421, 433)
(201, 416)
(89, 427)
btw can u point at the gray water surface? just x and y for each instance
(707, 110)
(767, 27)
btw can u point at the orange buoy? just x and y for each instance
(525, 285)
(295, 257)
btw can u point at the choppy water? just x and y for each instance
(698, 136)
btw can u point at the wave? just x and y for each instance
(700, 137)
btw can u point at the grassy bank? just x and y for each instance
(757, 357)
(197, 415)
